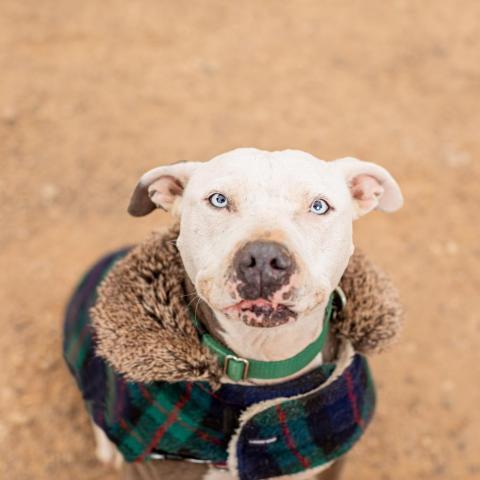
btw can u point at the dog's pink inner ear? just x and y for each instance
(162, 192)
(367, 191)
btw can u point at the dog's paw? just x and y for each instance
(106, 452)
(109, 455)
(217, 474)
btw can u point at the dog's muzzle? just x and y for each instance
(262, 273)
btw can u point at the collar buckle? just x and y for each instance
(236, 368)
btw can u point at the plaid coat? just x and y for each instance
(258, 431)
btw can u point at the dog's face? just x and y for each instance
(266, 236)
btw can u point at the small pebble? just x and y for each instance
(49, 192)
(9, 116)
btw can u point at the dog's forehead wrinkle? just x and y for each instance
(241, 158)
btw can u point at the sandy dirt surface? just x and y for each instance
(93, 93)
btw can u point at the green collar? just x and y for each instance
(237, 368)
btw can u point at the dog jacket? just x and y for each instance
(257, 432)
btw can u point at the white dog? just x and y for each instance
(265, 238)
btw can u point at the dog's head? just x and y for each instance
(266, 236)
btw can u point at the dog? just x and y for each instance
(264, 239)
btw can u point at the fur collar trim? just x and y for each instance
(143, 329)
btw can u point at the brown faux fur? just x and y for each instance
(372, 318)
(144, 331)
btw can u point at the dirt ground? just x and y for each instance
(93, 93)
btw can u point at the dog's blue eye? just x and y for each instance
(320, 207)
(218, 200)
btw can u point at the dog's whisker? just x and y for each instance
(192, 300)
(196, 307)
(188, 295)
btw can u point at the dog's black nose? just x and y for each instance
(262, 268)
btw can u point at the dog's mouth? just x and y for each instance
(262, 313)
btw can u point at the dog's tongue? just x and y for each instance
(258, 302)
(262, 313)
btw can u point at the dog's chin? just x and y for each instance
(261, 314)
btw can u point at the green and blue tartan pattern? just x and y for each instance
(310, 431)
(188, 419)
(139, 418)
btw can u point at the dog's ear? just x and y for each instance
(160, 187)
(371, 186)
